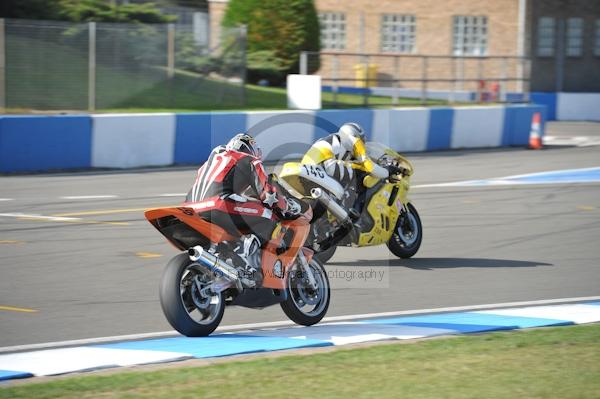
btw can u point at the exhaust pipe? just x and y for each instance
(214, 264)
(332, 206)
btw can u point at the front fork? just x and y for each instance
(404, 212)
(306, 269)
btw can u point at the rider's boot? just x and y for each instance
(246, 248)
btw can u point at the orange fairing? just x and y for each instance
(189, 216)
(273, 278)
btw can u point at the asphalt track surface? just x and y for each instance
(80, 267)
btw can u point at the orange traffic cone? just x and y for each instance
(535, 140)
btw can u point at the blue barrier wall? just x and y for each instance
(347, 90)
(517, 124)
(440, 128)
(547, 99)
(560, 106)
(325, 119)
(193, 138)
(39, 143)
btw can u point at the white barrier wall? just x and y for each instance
(578, 107)
(381, 126)
(477, 127)
(410, 129)
(282, 135)
(125, 141)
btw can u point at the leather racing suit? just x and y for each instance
(251, 199)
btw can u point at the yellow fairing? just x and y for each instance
(289, 173)
(401, 161)
(383, 207)
(384, 210)
(369, 181)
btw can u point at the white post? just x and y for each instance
(560, 55)
(452, 94)
(92, 66)
(424, 78)
(304, 63)
(335, 88)
(521, 43)
(503, 86)
(480, 82)
(461, 73)
(2, 67)
(170, 51)
(361, 33)
(396, 87)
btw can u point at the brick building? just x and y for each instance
(561, 38)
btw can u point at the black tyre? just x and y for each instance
(185, 309)
(306, 305)
(408, 234)
(324, 256)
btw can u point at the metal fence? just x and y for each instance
(50, 65)
(421, 78)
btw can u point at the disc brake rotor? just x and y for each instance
(406, 229)
(306, 294)
(202, 303)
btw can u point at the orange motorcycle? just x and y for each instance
(197, 284)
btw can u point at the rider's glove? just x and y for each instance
(292, 210)
(395, 170)
(293, 207)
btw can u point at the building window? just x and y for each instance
(470, 35)
(398, 33)
(597, 39)
(333, 30)
(545, 37)
(574, 37)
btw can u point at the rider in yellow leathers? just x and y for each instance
(342, 153)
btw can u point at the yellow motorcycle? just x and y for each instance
(387, 215)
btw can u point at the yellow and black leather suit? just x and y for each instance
(341, 155)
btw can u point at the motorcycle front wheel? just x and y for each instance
(306, 305)
(408, 234)
(185, 309)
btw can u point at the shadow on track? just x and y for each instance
(441, 263)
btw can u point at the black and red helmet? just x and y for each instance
(243, 142)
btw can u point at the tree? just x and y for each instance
(197, 4)
(83, 11)
(29, 9)
(278, 30)
(104, 11)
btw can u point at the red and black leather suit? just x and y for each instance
(239, 181)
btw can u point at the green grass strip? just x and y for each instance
(561, 362)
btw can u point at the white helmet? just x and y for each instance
(350, 133)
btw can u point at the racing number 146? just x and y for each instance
(315, 171)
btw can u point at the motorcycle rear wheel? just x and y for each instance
(304, 305)
(186, 310)
(324, 256)
(408, 234)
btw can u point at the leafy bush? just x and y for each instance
(83, 11)
(30, 9)
(278, 30)
(264, 64)
(104, 11)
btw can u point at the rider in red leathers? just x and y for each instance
(235, 173)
